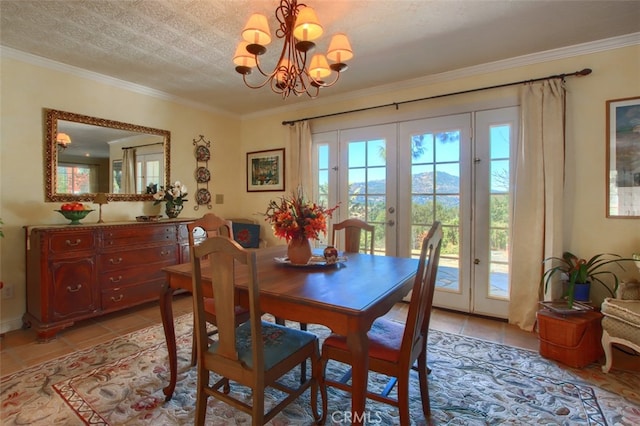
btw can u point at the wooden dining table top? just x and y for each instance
(351, 287)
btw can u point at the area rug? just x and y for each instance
(473, 382)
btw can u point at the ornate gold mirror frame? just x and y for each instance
(52, 152)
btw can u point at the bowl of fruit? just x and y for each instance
(74, 212)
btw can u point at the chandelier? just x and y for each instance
(298, 27)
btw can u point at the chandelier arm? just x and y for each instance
(251, 86)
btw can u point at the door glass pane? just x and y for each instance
(499, 212)
(152, 172)
(435, 195)
(357, 157)
(322, 187)
(367, 185)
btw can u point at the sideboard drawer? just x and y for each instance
(143, 234)
(121, 297)
(118, 260)
(124, 277)
(72, 241)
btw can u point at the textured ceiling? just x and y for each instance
(184, 47)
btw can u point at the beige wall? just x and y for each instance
(27, 89)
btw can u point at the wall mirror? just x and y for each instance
(87, 155)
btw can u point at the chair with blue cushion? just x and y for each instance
(256, 354)
(394, 347)
(210, 225)
(246, 232)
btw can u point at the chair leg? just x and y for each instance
(323, 390)
(201, 396)
(193, 344)
(403, 397)
(257, 415)
(303, 366)
(606, 345)
(423, 371)
(316, 381)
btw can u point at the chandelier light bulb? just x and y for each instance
(319, 67)
(307, 26)
(257, 30)
(339, 49)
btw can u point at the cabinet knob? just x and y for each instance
(71, 243)
(114, 279)
(115, 261)
(164, 253)
(74, 289)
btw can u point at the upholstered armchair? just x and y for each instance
(621, 321)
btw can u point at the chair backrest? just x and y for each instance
(207, 226)
(247, 233)
(224, 255)
(417, 324)
(352, 233)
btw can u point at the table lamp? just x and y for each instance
(100, 198)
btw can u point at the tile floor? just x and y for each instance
(19, 349)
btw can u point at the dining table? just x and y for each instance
(346, 297)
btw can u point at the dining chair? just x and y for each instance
(393, 347)
(256, 354)
(247, 233)
(210, 225)
(353, 229)
(352, 234)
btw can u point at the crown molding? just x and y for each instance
(531, 59)
(8, 52)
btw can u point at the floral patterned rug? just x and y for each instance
(473, 382)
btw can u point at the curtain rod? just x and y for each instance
(580, 73)
(140, 146)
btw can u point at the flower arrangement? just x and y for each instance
(296, 218)
(174, 195)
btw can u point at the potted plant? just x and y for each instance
(580, 273)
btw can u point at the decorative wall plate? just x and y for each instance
(202, 153)
(202, 175)
(203, 196)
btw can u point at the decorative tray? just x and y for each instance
(561, 307)
(148, 218)
(314, 262)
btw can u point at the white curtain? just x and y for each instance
(129, 171)
(539, 185)
(300, 157)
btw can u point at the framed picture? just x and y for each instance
(265, 170)
(623, 158)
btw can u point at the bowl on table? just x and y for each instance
(75, 215)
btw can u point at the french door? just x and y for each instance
(402, 177)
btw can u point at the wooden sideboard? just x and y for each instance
(84, 271)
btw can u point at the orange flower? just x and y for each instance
(297, 218)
